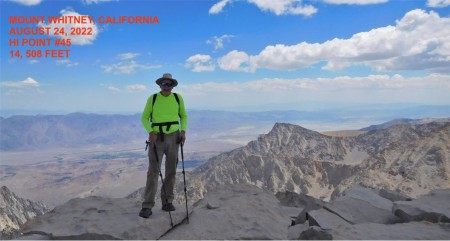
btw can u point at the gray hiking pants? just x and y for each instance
(168, 147)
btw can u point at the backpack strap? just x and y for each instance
(178, 101)
(153, 104)
(176, 98)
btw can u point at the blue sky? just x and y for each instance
(252, 55)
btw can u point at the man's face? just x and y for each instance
(166, 85)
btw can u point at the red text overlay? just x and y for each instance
(52, 36)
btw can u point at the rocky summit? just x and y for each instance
(242, 211)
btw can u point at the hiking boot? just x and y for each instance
(168, 207)
(145, 212)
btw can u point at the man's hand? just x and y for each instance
(152, 137)
(182, 137)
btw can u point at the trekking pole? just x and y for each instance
(162, 179)
(184, 179)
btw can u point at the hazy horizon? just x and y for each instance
(5, 113)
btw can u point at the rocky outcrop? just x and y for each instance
(406, 159)
(116, 217)
(362, 214)
(238, 212)
(288, 158)
(361, 205)
(15, 211)
(231, 212)
(413, 167)
(433, 207)
(305, 202)
(315, 233)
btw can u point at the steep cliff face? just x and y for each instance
(15, 211)
(414, 167)
(410, 158)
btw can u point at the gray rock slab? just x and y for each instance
(114, 217)
(315, 233)
(366, 194)
(363, 205)
(398, 231)
(325, 219)
(393, 195)
(244, 212)
(291, 212)
(302, 217)
(295, 231)
(300, 200)
(361, 211)
(434, 207)
(340, 229)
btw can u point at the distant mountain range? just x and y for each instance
(72, 130)
(80, 129)
(20, 133)
(412, 122)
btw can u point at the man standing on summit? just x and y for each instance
(165, 120)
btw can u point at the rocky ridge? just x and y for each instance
(15, 211)
(411, 159)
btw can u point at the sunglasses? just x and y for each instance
(167, 84)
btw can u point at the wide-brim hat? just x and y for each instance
(167, 76)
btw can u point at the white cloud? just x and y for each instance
(218, 7)
(127, 88)
(383, 82)
(418, 41)
(282, 7)
(438, 3)
(33, 61)
(127, 67)
(126, 56)
(113, 88)
(66, 63)
(218, 41)
(236, 61)
(135, 88)
(27, 2)
(371, 82)
(200, 63)
(28, 82)
(97, 1)
(279, 7)
(300, 92)
(75, 39)
(356, 2)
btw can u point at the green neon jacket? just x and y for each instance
(165, 110)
